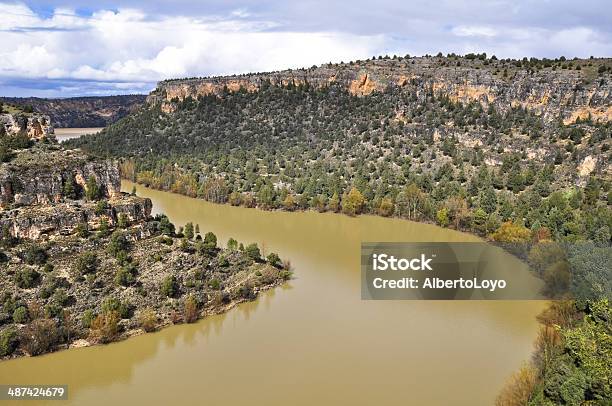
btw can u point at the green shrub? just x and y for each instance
(92, 190)
(19, 141)
(252, 251)
(189, 231)
(103, 229)
(87, 319)
(112, 304)
(273, 259)
(208, 246)
(214, 284)
(246, 292)
(70, 188)
(6, 238)
(35, 255)
(223, 261)
(48, 288)
(86, 263)
(122, 221)
(53, 310)
(8, 342)
(169, 286)
(210, 239)
(61, 297)
(101, 207)
(185, 245)
(5, 153)
(20, 315)
(232, 244)
(81, 230)
(126, 275)
(165, 226)
(118, 244)
(26, 278)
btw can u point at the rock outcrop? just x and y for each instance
(35, 126)
(82, 263)
(43, 193)
(42, 222)
(39, 175)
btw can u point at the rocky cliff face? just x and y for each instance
(37, 202)
(42, 222)
(39, 175)
(559, 90)
(35, 126)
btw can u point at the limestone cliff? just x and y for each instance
(43, 222)
(567, 90)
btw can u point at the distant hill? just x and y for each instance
(81, 111)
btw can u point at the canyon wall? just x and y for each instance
(81, 111)
(561, 93)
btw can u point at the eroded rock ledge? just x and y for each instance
(39, 175)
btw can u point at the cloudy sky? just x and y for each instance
(65, 48)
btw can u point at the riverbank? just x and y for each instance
(249, 201)
(99, 287)
(164, 323)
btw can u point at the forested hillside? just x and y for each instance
(414, 151)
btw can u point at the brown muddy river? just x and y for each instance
(310, 342)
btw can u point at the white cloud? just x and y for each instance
(126, 45)
(474, 31)
(27, 60)
(128, 48)
(16, 15)
(241, 13)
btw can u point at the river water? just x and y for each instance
(310, 342)
(63, 134)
